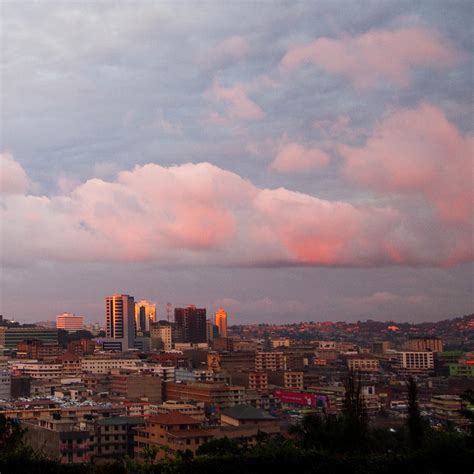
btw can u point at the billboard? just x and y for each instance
(303, 399)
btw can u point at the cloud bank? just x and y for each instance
(203, 214)
(377, 55)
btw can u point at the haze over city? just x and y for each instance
(288, 162)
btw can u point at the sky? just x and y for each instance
(289, 161)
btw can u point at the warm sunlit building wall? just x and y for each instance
(69, 322)
(221, 322)
(145, 313)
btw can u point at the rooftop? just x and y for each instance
(175, 418)
(246, 412)
(121, 420)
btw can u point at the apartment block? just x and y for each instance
(213, 395)
(174, 432)
(362, 363)
(107, 365)
(414, 360)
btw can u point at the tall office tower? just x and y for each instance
(192, 322)
(69, 322)
(221, 322)
(119, 322)
(145, 313)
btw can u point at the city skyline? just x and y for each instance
(287, 163)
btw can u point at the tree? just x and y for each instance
(219, 447)
(149, 453)
(10, 434)
(414, 420)
(356, 421)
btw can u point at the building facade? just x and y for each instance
(145, 314)
(192, 323)
(120, 323)
(69, 322)
(220, 320)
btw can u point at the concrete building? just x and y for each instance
(213, 395)
(145, 314)
(270, 361)
(81, 347)
(447, 408)
(162, 333)
(36, 369)
(133, 386)
(11, 337)
(36, 349)
(434, 344)
(231, 361)
(114, 437)
(220, 320)
(120, 323)
(192, 323)
(362, 363)
(62, 439)
(195, 410)
(71, 364)
(280, 342)
(240, 415)
(107, 365)
(173, 432)
(69, 322)
(421, 361)
(5, 385)
(287, 379)
(256, 381)
(20, 386)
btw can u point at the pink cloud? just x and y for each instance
(239, 105)
(13, 179)
(418, 151)
(201, 214)
(293, 157)
(376, 55)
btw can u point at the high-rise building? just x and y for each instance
(145, 313)
(221, 322)
(192, 322)
(69, 322)
(119, 322)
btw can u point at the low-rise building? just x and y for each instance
(114, 437)
(36, 369)
(133, 386)
(107, 365)
(362, 363)
(172, 433)
(62, 439)
(196, 410)
(213, 395)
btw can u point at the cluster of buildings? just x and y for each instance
(174, 385)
